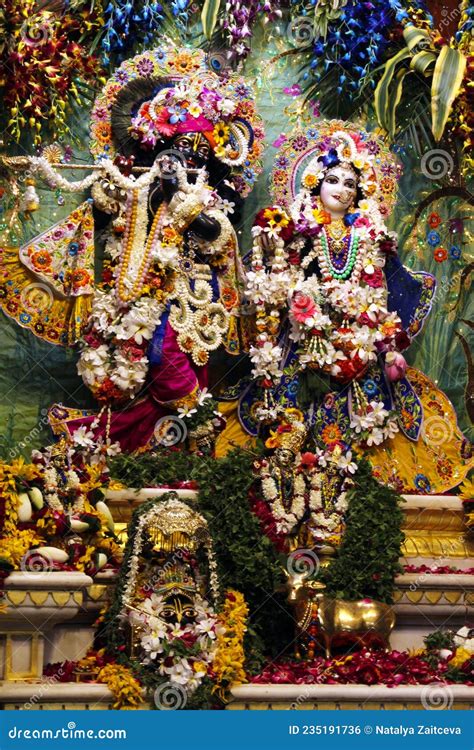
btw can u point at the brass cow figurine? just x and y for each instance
(322, 620)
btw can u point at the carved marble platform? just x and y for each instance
(52, 695)
(34, 604)
(358, 697)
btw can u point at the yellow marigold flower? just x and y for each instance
(321, 216)
(467, 490)
(461, 656)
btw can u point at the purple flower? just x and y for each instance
(300, 143)
(294, 90)
(372, 147)
(145, 67)
(456, 226)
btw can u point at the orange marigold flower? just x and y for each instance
(331, 434)
(79, 277)
(229, 297)
(103, 132)
(310, 181)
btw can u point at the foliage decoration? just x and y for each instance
(247, 560)
(367, 560)
(126, 24)
(340, 45)
(427, 54)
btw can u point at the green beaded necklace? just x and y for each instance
(346, 271)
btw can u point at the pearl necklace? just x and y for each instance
(346, 270)
(130, 240)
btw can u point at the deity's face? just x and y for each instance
(338, 190)
(195, 149)
(284, 456)
(178, 609)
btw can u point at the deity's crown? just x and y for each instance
(308, 155)
(168, 91)
(291, 433)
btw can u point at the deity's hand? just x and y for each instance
(190, 199)
(169, 176)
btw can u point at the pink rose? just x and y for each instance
(362, 221)
(375, 279)
(395, 366)
(302, 307)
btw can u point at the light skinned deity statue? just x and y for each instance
(335, 311)
(176, 149)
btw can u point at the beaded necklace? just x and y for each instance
(341, 263)
(129, 241)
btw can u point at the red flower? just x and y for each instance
(364, 320)
(286, 232)
(440, 254)
(375, 279)
(402, 341)
(308, 459)
(387, 246)
(302, 307)
(434, 220)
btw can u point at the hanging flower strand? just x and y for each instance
(45, 66)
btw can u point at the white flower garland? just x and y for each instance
(55, 179)
(307, 495)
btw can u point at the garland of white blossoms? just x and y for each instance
(113, 361)
(72, 485)
(57, 180)
(157, 640)
(126, 367)
(307, 494)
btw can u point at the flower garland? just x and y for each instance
(307, 501)
(182, 654)
(141, 276)
(98, 666)
(57, 180)
(14, 542)
(45, 64)
(228, 664)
